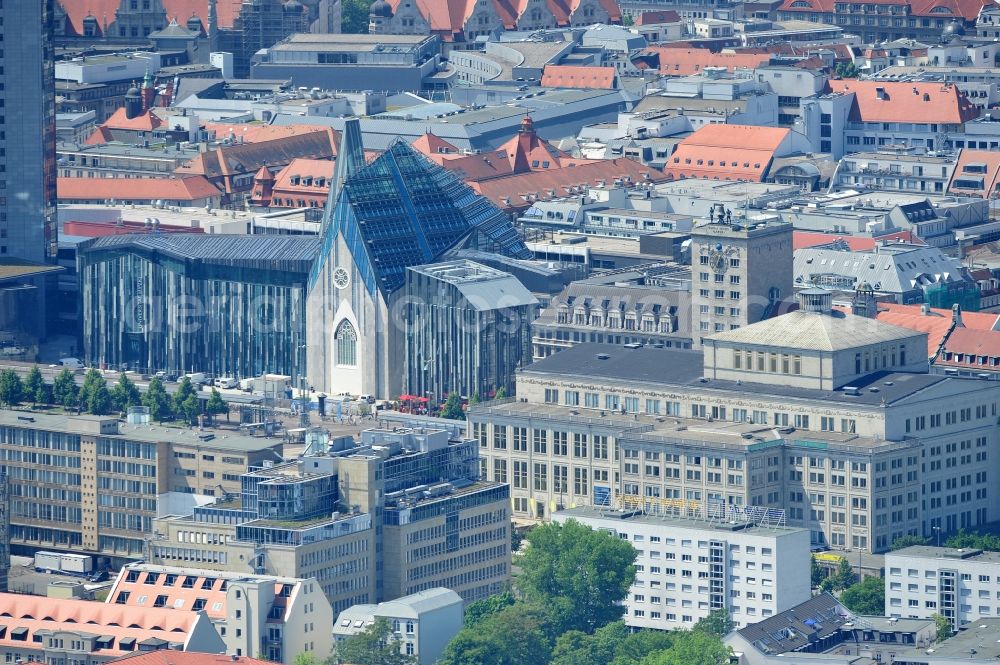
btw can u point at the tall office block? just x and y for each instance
(27, 132)
(739, 274)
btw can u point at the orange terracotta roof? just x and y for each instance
(231, 160)
(193, 188)
(687, 61)
(654, 18)
(986, 169)
(144, 122)
(974, 320)
(317, 172)
(573, 76)
(204, 585)
(41, 615)
(726, 152)
(971, 342)
(254, 133)
(429, 144)
(520, 190)
(901, 101)
(527, 152)
(935, 324)
(187, 658)
(804, 239)
(105, 12)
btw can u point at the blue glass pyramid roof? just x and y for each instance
(403, 210)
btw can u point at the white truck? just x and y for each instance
(272, 385)
(62, 562)
(197, 378)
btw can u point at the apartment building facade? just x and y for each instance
(279, 617)
(89, 484)
(962, 585)
(687, 568)
(836, 421)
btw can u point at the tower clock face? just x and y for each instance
(341, 278)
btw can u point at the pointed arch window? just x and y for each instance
(346, 339)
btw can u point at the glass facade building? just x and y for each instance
(224, 305)
(399, 211)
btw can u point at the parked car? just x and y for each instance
(226, 382)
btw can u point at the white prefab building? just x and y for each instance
(424, 622)
(960, 584)
(688, 567)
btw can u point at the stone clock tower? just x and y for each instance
(739, 273)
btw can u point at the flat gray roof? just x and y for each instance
(948, 554)
(153, 433)
(672, 522)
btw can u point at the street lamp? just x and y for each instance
(860, 573)
(937, 530)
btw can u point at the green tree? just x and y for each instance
(480, 610)
(34, 386)
(907, 541)
(354, 16)
(981, 541)
(513, 636)
(691, 648)
(10, 387)
(943, 626)
(453, 408)
(583, 573)
(636, 647)
(304, 658)
(99, 401)
(501, 394)
(91, 381)
(474, 399)
(189, 409)
(157, 401)
(375, 645)
(64, 389)
(845, 575)
(816, 572)
(866, 597)
(215, 404)
(185, 389)
(125, 394)
(718, 623)
(847, 70)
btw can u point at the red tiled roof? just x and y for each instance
(144, 122)
(935, 324)
(970, 341)
(573, 76)
(974, 320)
(105, 11)
(316, 170)
(726, 152)
(102, 229)
(965, 9)
(687, 61)
(41, 616)
(804, 239)
(163, 657)
(906, 102)
(519, 190)
(990, 161)
(654, 18)
(194, 188)
(527, 152)
(254, 133)
(429, 144)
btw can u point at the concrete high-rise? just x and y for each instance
(27, 132)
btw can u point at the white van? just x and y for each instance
(70, 363)
(197, 378)
(225, 382)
